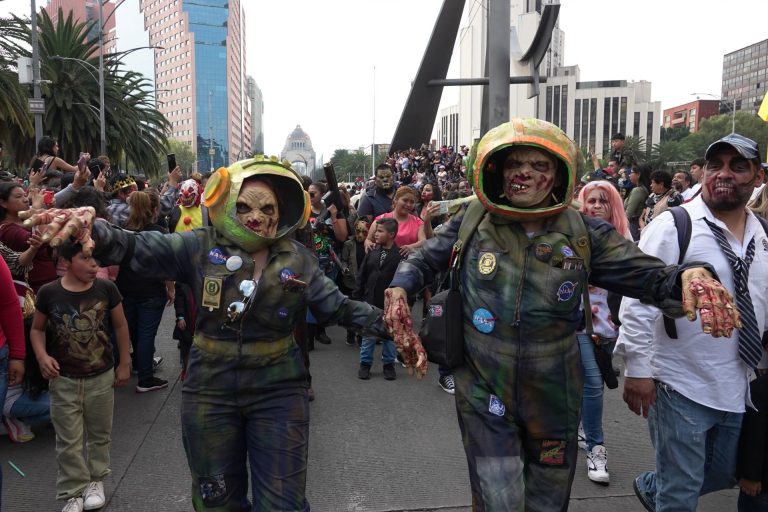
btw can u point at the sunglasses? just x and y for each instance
(236, 309)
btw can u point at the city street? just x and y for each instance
(375, 446)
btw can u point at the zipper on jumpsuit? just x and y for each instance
(519, 300)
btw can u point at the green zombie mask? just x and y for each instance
(384, 181)
(524, 169)
(255, 202)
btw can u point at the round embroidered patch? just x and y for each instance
(543, 252)
(483, 320)
(487, 263)
(566, 291)
(282, 313)
(567, 251)
(287, 274)
(216, 256)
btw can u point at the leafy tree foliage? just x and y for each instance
(185, 157)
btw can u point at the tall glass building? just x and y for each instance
(200, 76)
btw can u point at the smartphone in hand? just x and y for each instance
(171, 162)
(37, 164)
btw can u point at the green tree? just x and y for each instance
(669, 151)
(14, 114)
(185, 158)
(674, 134)
(635, 149)
(135, 129)
(716, 127)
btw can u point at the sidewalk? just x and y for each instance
(375, 446)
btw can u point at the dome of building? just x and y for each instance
(299, 151)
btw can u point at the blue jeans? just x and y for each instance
(757, 503)
(695, 451)
(3, 388)
(34, 411)
(388, 351)
(143, 316)
(592, 399)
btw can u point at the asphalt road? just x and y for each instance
(375, 446)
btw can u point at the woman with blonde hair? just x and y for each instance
(598, 199)
(144, 298)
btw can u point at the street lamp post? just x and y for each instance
(721, 100)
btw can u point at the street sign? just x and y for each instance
(211, 151)
(36, 106)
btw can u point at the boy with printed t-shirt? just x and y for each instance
(80, 368)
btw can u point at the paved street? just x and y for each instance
(375, 446)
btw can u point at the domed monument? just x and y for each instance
(298, 150)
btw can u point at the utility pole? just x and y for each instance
(102, 120)
(211, 151)
(36, 75)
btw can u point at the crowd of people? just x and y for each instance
(559, 270)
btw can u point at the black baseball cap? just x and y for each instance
(744, 146)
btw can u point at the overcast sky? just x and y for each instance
(314, 60)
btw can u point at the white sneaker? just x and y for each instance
(93, 496)
(582, 437)
(17, 430)
(73, 505)
(597, 465)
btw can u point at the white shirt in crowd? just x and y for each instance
(704, 369)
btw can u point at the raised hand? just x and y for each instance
(397, 318)
(702, 292)
(57, 225)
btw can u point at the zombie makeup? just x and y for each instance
(384, 180)
(729, 180)
(597, 205)
(257, 208)
(529, 177)
(361, 230)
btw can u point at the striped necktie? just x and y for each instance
(750, 346)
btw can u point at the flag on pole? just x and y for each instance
(763, 112)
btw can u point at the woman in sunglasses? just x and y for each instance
(245, 396)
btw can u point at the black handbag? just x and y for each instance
(602, 357)
(442, 330)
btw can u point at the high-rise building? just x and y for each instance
(524, 19)
(87, 11)
(257, 116)
(200, 76)
(745, 73)
(690, 114)
(591, 112)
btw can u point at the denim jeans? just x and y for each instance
(143, 316)
(34, 411)
(695, 451)
(592, 399)
(3, 388)
(757, 503)
(388, 351)
(81, 411)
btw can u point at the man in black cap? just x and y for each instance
(693, 390)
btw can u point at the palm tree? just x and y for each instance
(134, 127)
(15, 120)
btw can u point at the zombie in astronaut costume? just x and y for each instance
(245, 395)
(521, 279)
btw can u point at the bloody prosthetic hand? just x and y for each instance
(58, 225)
(397, 318)
(702, 292)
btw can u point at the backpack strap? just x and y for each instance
(473, 215)
(683, 225)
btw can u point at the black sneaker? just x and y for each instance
(364, 372)
(389, 372)
(323, 338)
(447, 384)
(151, 384)
(350, 339)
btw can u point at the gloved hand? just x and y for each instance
(397, 318)
(59, 225)
(702, 292)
